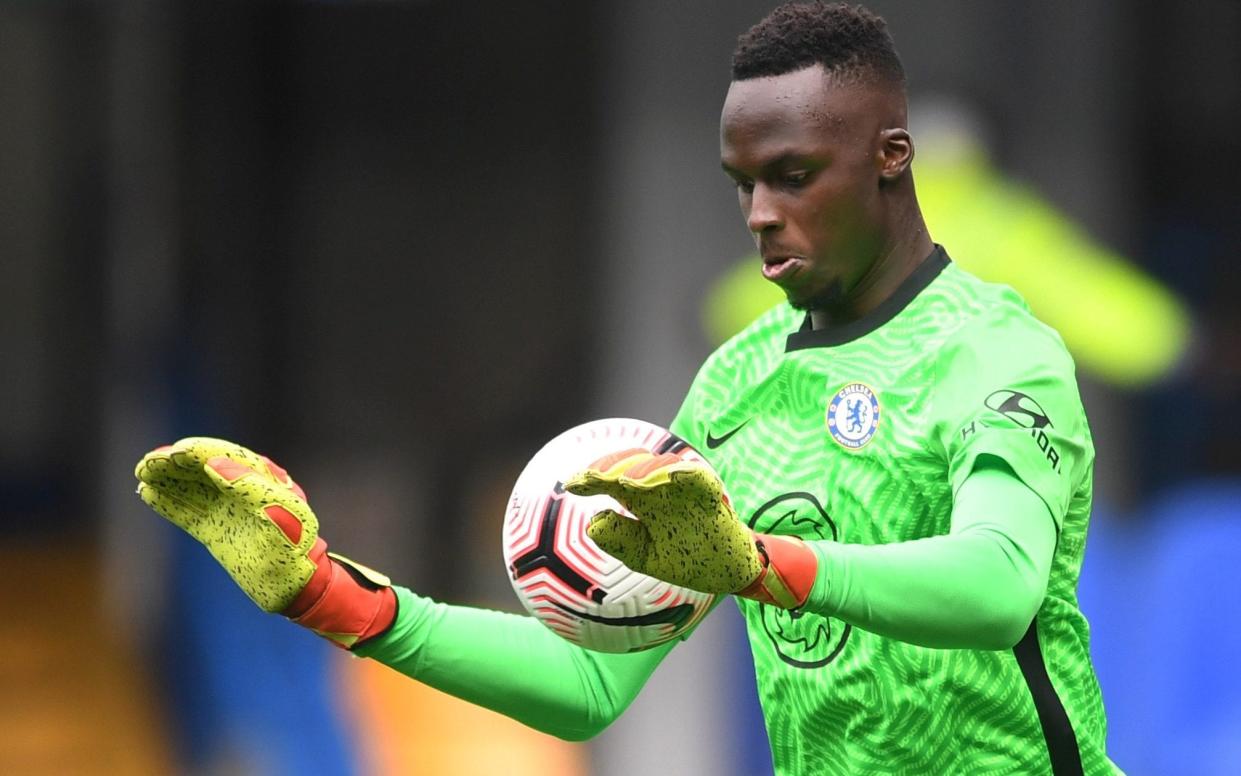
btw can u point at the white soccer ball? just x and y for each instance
(561, 576)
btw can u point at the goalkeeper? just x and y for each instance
(907, 462)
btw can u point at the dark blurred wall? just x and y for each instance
(368, 187)
(53, 215)
(1188, 71)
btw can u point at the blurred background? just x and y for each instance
(398, 245)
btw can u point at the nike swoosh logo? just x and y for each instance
(714, 441)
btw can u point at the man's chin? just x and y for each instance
(823, 299)
(802, 305)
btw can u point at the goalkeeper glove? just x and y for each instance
(686, 531)
(254, 519)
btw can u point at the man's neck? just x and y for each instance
(887, 275)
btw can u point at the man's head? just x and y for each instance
(813, 133)
(848, 42)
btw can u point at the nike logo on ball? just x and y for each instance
(714, 441)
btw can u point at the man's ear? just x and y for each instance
(896, 153)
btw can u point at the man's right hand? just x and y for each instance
(254, 519)
(686, 531)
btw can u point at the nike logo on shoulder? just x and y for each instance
(715, 441)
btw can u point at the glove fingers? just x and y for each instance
(259, 532)
(254, 491)
(621, 537)
(158, 465)
(196, 451)
(686, 532)
(228, 475)
(695, 481)
(649, 471)
(600, 478)
(223, 512)
(661, 490)
(242, 508)
(280, 475)
(629, 476)
(188, 456)
(185, 460)
(172, 506)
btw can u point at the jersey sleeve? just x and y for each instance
(1005, 387)
(990, 570)
(511, 664)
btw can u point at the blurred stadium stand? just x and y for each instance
(75, 699)
(1160, 593)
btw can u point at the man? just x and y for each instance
(905, 450)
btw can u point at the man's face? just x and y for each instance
(806, 155)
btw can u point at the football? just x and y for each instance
(561, 576)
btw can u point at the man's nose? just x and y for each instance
(764, 214)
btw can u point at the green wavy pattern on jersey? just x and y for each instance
(838, 700)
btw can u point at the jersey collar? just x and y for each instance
(920, 278)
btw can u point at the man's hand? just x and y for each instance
(254, 519)
(245, 509)
(686, 531)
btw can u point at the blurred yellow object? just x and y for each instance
(405, 727)
(79, 698)
(1120, 324)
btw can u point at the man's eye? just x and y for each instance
(795, 179)
(746, 187)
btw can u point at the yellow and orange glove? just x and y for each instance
(254, 519)
(686, 531)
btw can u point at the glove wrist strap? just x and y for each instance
(344, 602)
(789, 569)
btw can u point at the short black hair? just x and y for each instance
(850, 42)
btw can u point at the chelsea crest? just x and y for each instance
(853, 416)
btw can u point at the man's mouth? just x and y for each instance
(778, 268)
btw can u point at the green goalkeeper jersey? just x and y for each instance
(861, 434)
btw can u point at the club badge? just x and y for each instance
(853, 416)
